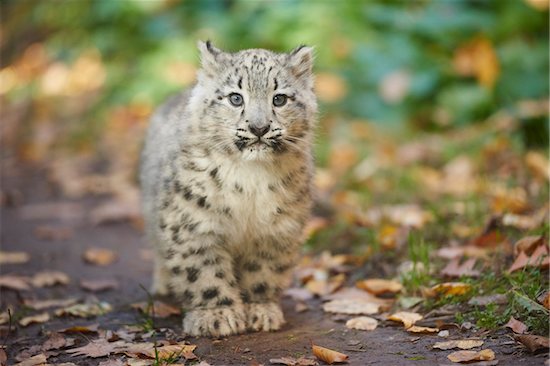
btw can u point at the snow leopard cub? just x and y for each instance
(226, 178)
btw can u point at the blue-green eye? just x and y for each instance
(279, 100)
(236, 99)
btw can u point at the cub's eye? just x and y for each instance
(279, 100)
(236, 99)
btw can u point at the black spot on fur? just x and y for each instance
(225, 302)
(238, 188)
(220, 274)
(251, 267)
(254, 318)
(260, 288)
(210, 293)
(187, 193)
(176, 270)
(202, 202)
(216, 324)
(212, 261)
(281, 268)
(192, 274)
(188, 295)
(245, 296)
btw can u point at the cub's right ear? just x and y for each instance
(210, 56)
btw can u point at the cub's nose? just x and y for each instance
(258, 130)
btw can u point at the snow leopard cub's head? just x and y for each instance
(255, 103)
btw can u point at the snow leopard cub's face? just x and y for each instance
(257, 104)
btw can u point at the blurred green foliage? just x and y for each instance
(410, 49)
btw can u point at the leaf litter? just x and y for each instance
(469, 356)
(327, 355)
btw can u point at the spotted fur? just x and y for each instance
(224, 208)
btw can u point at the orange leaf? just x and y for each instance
(328, 355)
(406, 317)
(99, 256)
(468, 356)
(533, 342)
(451, 288)
(417, 329)
(379, 286)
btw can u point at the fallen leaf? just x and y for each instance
(158, 309)
(40, 318)
(461, 343)
(14, 257)
(418, 329)
(96, 348)
(322, 287)
(488, 299)
(362, 323)
(300, 307)
(49, 278)
(33, 361)
(537, 162)
(405, 317)
(45, 304)
(64, 211)
(455, 269)
(351, 306)
(528, 244)
(469, 356)
(91, 328)
(451, 288)
(538, 259)
(327, 355)
(3, 357)
(298, 294)
(291, 361)
(533, 342)
(85, 310)
(478, 58)
(379, 286)
(18, 283)
(148, 350)
(99, 256)
(56, 341)
(544, 299)
(98, 285)
(113, 363)
(516, 326)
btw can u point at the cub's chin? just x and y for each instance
(257, 152)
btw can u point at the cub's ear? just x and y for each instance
(301, 61)
(210, 55)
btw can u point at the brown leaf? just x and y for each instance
(40, 318)
(98, 285)
(379, 286)
(362, 323)
(538, 163)
(113, 363)
(14, 257)
(298, 294)
(544, 299)
(96, 348)
(455, 269)
(18, 283)
(490, 239)
(99, 256)
(56, 341)
(91, 328)
(461, 343)
(33, 361)
(533, 342)
(85, 310)
(54, 233)
(159, 309)
(516, 326)
(351, 306)
(291, 361)
(469, 356)
(418, 329)
(323, 288)
(3, 357)
(528, 244)
(49, 278)
(405, 317)
(45, 304)
(539, 259)
(327, 355)
(148, 350)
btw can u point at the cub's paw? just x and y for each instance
(216, 322)
(264, 316)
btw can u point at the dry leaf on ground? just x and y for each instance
(56, 341)
(85, 310)
(461, 343)
(405, 317)
(49, 278)
(451, 288)
(14, 257)
(418, 329)
(528, 244)
(19, 283)
(539, 258)
(40, 318)
(114, 363)
(99, 256)
(39, 359)
(516, 326)
(544, 299)
(533, 342)
(291, 361)
(469, 356)
(98, 285)
(455, 269)
(326, 287)
(379, 286)
(91, 328)
(45, 304)
(488, 299)
(298, 294)
(3, 357)
(362, 323)
(96, 348)
(47, 232)
(148, 350)
(351, 306)
(158, 308)
(327, 355)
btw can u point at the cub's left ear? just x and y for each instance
(301, 61)
(211, 56)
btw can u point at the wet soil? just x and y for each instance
(387, 345)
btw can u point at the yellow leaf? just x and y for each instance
(461, 343)
(406, 317)
(417, 329)
(451, 288)
(362, 323)
(327, 355)
(40, 318)
(379, 286)
(478, 58)
(468, 356)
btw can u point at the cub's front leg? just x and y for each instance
(202, 276)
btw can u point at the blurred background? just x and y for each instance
(402, 84)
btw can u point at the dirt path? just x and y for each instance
(387, 345)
